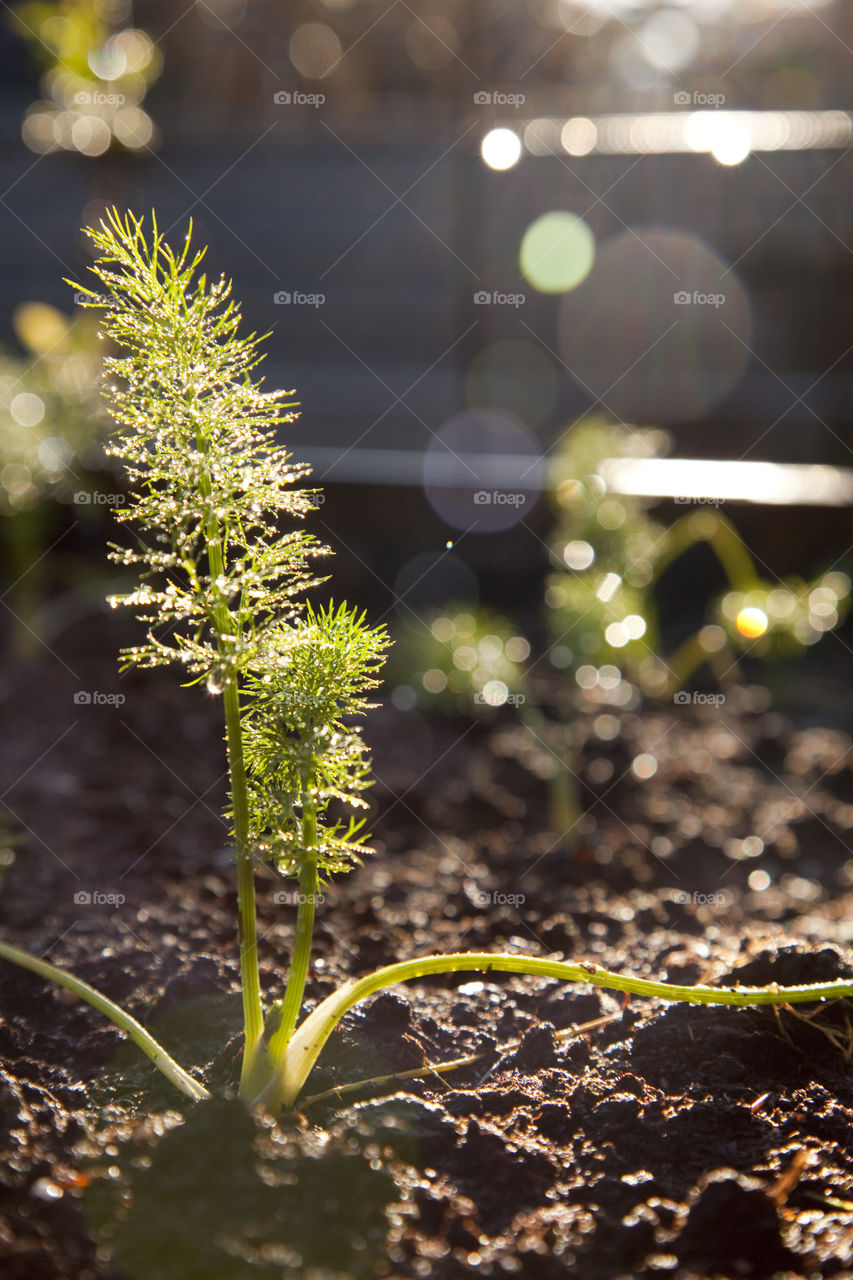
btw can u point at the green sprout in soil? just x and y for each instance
(609, 554)
(222, 590)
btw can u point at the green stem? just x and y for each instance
(689, 656)
(564, 806)
(291, 1006)
(25, 537)
(307, 1043)
(721, 536)
(250, 978)
(149, 1046)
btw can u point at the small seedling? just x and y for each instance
(610, 554)
(222, 590)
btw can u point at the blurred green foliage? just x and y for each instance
(610, 553)
(51, 416)
(461, 658)
(96, 74)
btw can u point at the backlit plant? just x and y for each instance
(51, 422)
(611, 553)
(223, 572)
(462, 658)
(96, 74)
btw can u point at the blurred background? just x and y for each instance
(467, 226)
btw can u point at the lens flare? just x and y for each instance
(557, 252)
(751, 622)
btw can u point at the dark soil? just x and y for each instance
(664, 1141)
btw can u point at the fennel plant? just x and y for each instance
(223, 573)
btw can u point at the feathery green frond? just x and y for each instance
(197, 437)
(301, 754)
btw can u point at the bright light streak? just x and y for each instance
(727, 135)
(705, 480)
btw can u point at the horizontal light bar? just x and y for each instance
(773, 483)
(706, 129)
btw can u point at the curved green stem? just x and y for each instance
(149, 1046)
(721, 536)
(689, 656)
(307, 1043)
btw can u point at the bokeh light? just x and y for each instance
(669, 39)
(501, 148)
(516, 375)
(723, 134)
(314, 50)
(430, 579)
(94, 84)
(579, 136)
(431, 42)
(41, 328)
(660, 328)
(751, 623)
(557, 252)
(221, 13)
(483, 471)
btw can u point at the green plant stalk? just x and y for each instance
(722, 538)
(307, 1043)
(250, 978)
(25, 537)
(283, 1088)
(564, 807)
(688, 657)
(149, 1046)
(291, 1006)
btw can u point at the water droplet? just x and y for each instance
(215, 682)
